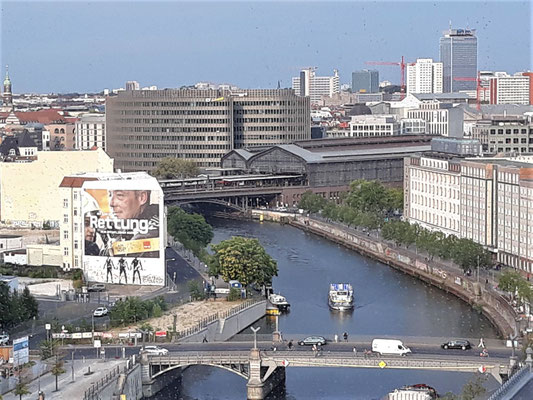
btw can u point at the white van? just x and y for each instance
(389, 346)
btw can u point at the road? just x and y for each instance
(423, 350)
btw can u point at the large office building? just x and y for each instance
(90, 132)
(505, 134)
(308, 84)
(487, 200)
(458, 55)
(424, 76)
(365, 81)
(144, 126)
(509, 89)
(443, 119)
(374, 125)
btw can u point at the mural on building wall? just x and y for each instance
(123, 236)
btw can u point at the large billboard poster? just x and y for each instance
(21, 351)
(123, 232)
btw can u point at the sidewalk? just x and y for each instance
(69, 390)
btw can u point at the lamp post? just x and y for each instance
(92, 318)
(255, 330)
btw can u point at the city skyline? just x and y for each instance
(86, 47)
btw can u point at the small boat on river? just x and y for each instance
(279, 301)
(340, 296)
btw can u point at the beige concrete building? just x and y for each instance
(487, 200)
(505, 134)
(90, 132)
(144, 126)
(29, 191)
(432, 193)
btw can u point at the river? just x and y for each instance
(387, 303)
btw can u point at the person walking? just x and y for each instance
(290, 345)
(354, 351)
(336, 337)
(345, 335)
(481, 343)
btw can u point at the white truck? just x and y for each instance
(389, 346)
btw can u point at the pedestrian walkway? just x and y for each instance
(68, 389)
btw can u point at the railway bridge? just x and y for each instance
(265, 370)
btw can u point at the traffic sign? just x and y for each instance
(97, 344)
(285, 363)
(382, 364)
(482, 369)
(48, 326)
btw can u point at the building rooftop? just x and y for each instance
(10, 236)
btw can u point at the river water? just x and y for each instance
(387, 303)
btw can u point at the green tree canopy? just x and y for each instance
(312, 202)
(244, 260)
(189, 229)
(16, 308)
(170, 168)
(513, 282)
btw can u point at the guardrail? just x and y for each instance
(93, 393)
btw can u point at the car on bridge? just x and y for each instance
(457, 344)
(312, 340)
(155, 351)
(97, 287)
(4, 339)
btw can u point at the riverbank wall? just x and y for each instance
(478, 295)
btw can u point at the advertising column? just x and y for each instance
(123, 232)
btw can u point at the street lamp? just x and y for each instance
(72, 361)
(255, 330)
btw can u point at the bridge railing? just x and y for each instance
(511, 383)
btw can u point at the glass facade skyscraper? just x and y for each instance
(365, 81)
(458, 54)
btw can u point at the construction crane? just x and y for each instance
(479, 88)
(402, 64)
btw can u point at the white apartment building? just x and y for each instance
(308, 84)
(443, 119)
(90, 132)
(432, 193)
(132, 85)
(374, 125)
(424, 76)
(510, 89)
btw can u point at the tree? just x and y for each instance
(171, 168)
(190, 229)
(21, 389)
(195, 290)
(57, 369)
(514, 283)
(312, 202)
(469, 254)
(369, 196)
(29, 304)
(244, 260)
(474, 387)
(47, 348)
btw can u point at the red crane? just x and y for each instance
(402, 64)
(479, 88)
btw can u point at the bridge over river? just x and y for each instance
(265, 370)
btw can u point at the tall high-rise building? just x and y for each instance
(424, 76)
(365, 81)
(308, 84)
(144, 126)
(458, 54)
(132, 85)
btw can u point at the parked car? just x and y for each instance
(4, 339)
(155, 351)
(311, 340)
(97, 287)
(100, 312)
(457, 344)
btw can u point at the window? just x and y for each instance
(65, 251)
(76, 244)
(65, 203)
(65, 234)
(75, 211)
(76, 261)
(65, 218)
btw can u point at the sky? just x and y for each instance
(86, 46)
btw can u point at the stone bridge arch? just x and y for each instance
(241, 370)
(210, 201)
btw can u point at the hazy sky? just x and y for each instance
(87, 46)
